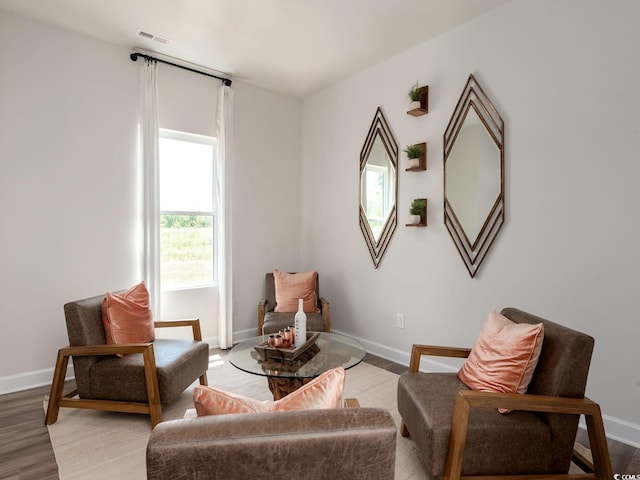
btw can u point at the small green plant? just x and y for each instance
(418, 206)
(413, 151)
(415, 93)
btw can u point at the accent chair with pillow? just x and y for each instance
(119, 365)
(282, 291)
(345, 443)
(512, 409)
(303, 435)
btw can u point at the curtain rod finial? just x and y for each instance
(133, 56)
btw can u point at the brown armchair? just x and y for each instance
(460, 433)
(145, 378)
(347, 443)
(272, 322)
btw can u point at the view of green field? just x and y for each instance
(186, 246)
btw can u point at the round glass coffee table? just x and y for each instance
(284, 376)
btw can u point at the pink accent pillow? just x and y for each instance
(504, 356)
(212, 401)
(126, 316)
(292, 286)
(324, 391)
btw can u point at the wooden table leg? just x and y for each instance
(281, 387)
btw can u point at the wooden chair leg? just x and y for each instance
(326, 316)
(57, 386)
(153, 393)
(351, 403)
(457, 439)
(403, 429)
(598, 444)
(203, 379)
(261, 313)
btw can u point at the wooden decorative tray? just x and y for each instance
(268, 352)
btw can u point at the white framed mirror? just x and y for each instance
(378, 187)
(474, 175)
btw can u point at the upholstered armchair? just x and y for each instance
(270, 321)
(136, 378)
(460, 432)
(345, 443)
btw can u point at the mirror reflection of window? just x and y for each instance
(376, 198)
(378, 194)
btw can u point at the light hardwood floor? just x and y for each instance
(26, 452)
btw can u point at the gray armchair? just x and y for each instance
(145, 378)
(272, 322)
(460, 433)
(347, 443)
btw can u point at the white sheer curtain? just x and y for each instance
(150, 170)
(224, 136)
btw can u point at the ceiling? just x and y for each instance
(296, 47)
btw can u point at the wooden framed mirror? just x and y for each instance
(474, 175)
(378, 191)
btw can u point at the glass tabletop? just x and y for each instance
(330, 350)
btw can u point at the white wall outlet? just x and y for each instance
(400, 320)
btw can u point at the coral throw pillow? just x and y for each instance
(292, 286)
(126, 316)
(504, 356)
(324, 391)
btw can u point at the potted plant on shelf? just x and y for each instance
(417, 211)
(413, 153)
(414, 95)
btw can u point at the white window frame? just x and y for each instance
(205, 140)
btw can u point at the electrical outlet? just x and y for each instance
(400, 320)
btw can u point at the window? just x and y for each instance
(187, 232)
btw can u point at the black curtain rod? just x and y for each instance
(134, 56)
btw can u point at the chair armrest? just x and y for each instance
(528, 402)
(417, 351)
(56, 399)
(194, 323)
(467, 399)
(103, 350)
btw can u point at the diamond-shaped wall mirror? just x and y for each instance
(378, 187)
(474, 175)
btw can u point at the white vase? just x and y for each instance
(300, 325)
(414, 219)
(414, 105)
(414, 162)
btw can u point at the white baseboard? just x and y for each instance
(238, 336)
(616, 428)
(36, 378)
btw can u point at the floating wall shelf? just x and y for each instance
(423, 217)
(424, 103)
(422, 166)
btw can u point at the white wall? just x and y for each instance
(67, 183)
(267, 195)
(564, 76)
(68, 119)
